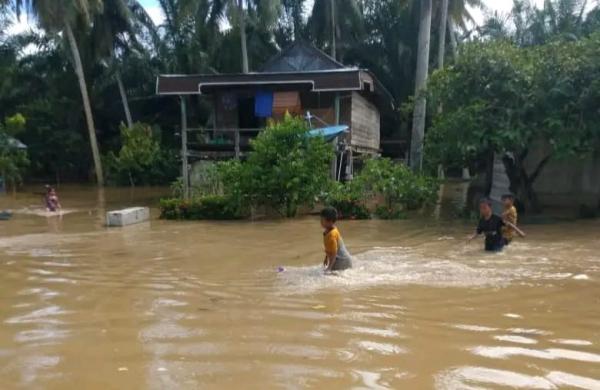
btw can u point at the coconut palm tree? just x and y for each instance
(528, 25)
(335, 22)
(63, 16)
(443, 27)
(114, 35)
(291, 24)
(458, 18)
(420, 111)
(262, 13)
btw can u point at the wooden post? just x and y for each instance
(237, 144)
(334, 163)
(184, 152)
(350, 165)
(337, 108)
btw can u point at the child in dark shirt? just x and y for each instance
(491, 226)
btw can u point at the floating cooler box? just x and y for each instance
(127, 217)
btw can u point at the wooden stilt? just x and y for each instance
(185, 173)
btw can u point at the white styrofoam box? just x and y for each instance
(127, 217)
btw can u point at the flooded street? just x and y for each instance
(187, 305)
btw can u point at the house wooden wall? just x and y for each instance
(365, 124)
(226, 110)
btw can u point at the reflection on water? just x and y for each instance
(201, 305)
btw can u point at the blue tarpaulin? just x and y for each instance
(263, 104)
(328, 132)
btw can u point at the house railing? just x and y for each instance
(221, 136)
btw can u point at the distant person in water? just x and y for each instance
(337, 257)
(51, 200)
(511, 215)
(492, 226)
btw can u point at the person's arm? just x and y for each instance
(477, 233)
(515, 228)
(330, 263)
(472, 237)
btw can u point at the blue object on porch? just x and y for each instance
(328, 132)
(263, 104)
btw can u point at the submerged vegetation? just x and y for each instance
(520, 82)
(141, 160)
(287, 171)
(499, 98)
(13, 156)
(383, 188)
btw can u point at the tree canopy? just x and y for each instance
(122, 50)
(500, 98)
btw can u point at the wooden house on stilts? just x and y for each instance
(345, 101)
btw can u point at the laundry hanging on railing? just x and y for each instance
(263, 104)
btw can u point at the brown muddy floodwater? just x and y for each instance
(174, 305)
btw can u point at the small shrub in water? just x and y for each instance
(384, 212)
(213, 207)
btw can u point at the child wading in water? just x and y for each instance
(51, 200)
(492, 227)
(337, 257)
(509, 215)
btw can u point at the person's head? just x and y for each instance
(47, 188)
(508, 200)
(329, 217)
(485, 207)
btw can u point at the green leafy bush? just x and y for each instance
(140, 161)
(384, 212)
(13, 160)
(348, 199)
(382, 179)
(397, 185)
(213, 207)
(285, 170)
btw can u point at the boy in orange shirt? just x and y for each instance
(509, 215)
(337, 257)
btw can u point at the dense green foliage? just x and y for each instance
(213, 207)
(285, 169)
(520, 79)
(141, 161)
(392, 188)
(502, 98)
(118, 41)
(12, 159)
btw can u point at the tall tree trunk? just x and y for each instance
(420, 112)
(333, 29)
(442, 37)
(86, 104)
(521, 182)
(440, 60)
(453, 40)
(124, 99)
(245, 66)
